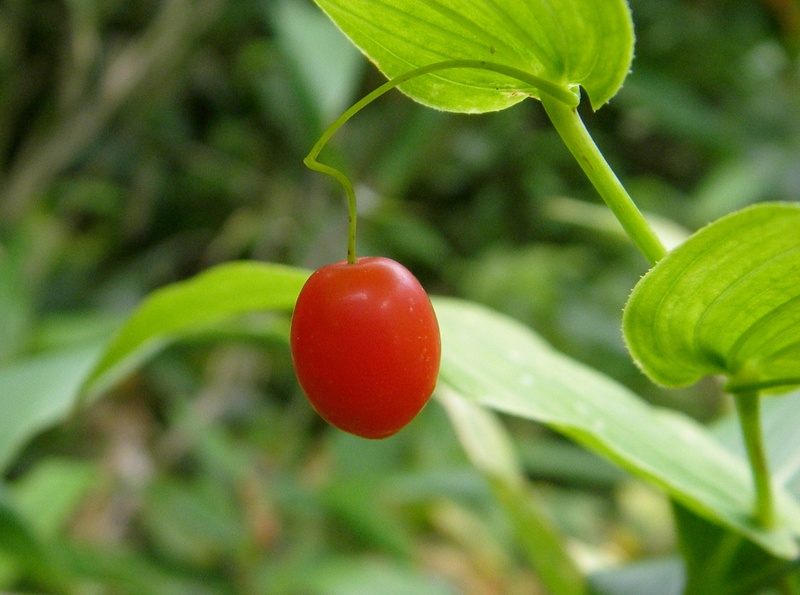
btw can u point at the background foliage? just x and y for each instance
(142, 142)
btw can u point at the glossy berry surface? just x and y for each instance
(365, 345)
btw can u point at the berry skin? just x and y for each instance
(365, 345)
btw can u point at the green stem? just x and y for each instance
(561, 105)
(748, 407)
(574, 134)
(560, 94)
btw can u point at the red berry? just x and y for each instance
(365, 345)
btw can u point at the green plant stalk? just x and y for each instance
(748, 408)
(578, 140)
(352, 206)
(559, 94)
(560, 103)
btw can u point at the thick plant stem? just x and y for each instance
(748, 407)
(574, 134)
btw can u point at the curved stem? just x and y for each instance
(560, 103)
(574, 134)
(352, 208)
(559, 94)
(748, 407)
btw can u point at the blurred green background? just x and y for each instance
(144, 141)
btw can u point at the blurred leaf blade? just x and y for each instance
(726, 301)
(182, 308)
(559, 43)
(15, 536)
(344, 575)
(49, 494)
(505, 366)
(656, 577)
(135, 573)
(30, 554)
(38, 392)
(489, 448)
(482, 437)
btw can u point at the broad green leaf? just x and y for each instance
(503, 365)
(193, 306)
(38, 392)
(727, 301)
(567, 43)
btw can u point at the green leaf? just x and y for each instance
(48, 495)
(727, 301)
(25, 550)
(38, 392)
(566, 43)
(505, 366)
(195, 305)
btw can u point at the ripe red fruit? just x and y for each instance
(365, 345)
